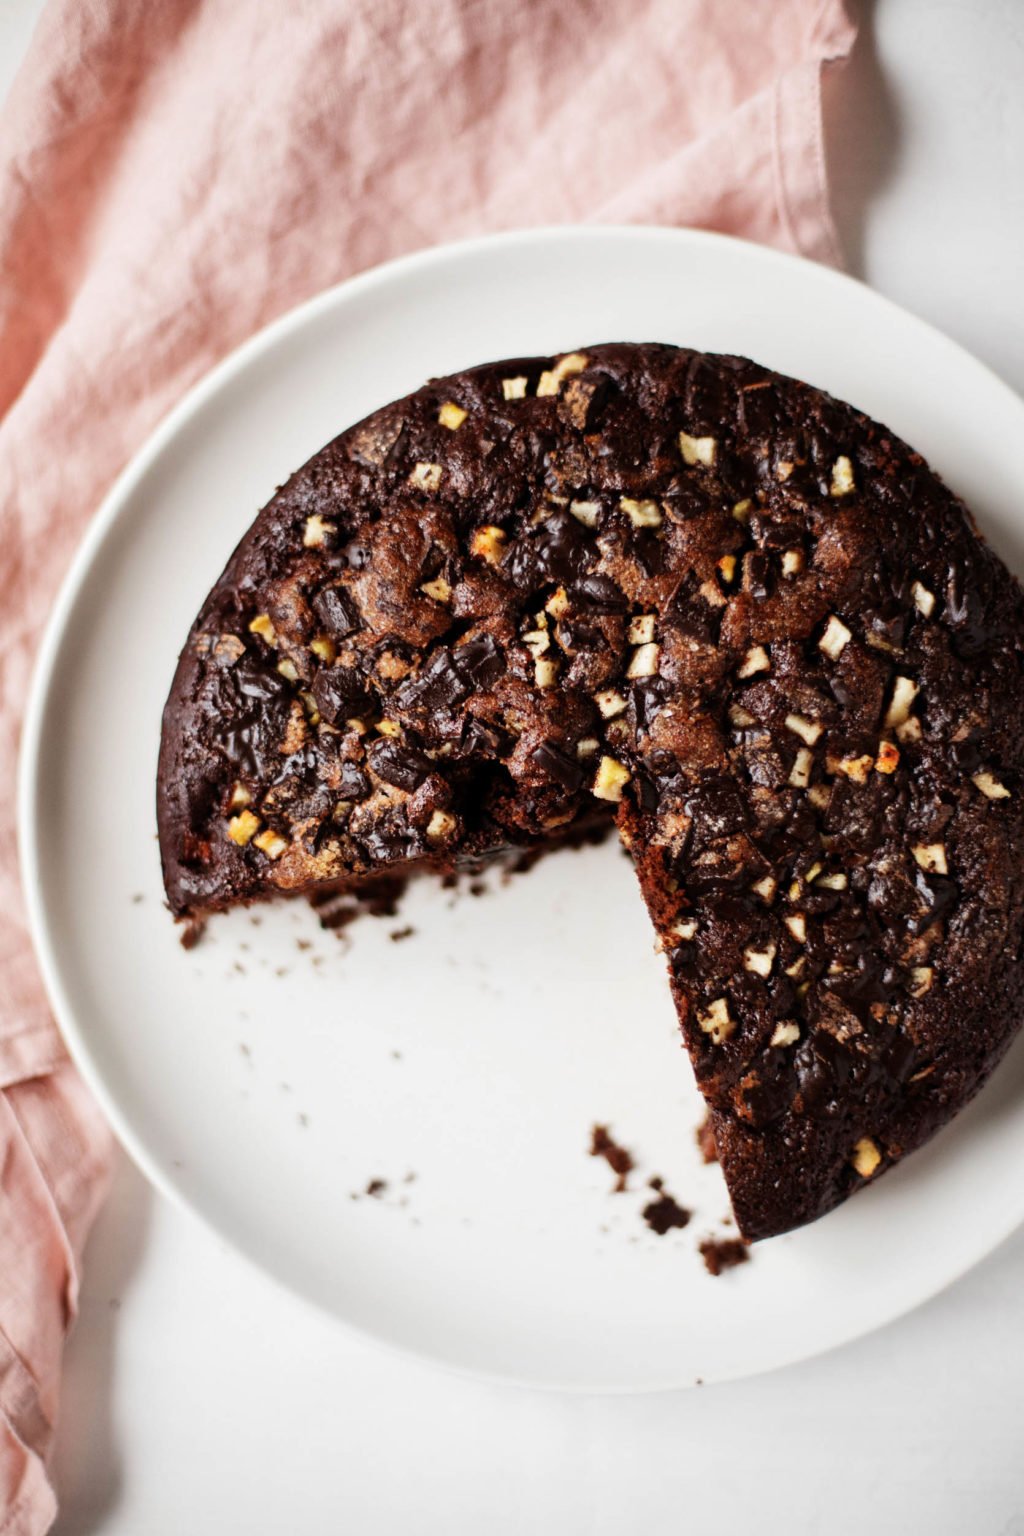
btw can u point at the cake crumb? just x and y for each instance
(192, 931)
(398, 934)
(665, 1214)
(619, 1160)
(376, 1188)
(720, 1254)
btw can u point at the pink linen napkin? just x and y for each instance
(174, 175)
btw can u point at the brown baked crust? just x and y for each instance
(685, 591)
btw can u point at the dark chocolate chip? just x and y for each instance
(338, 611)
(399, 764)
(480, 660)
(555, 765)
(599, 594)
(340, 693)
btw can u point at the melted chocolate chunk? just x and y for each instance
(340, 693)
(337, 611)
(555, 765)
(558, 550)
(400, 765)
(480, 661)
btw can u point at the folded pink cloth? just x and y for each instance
(173, 176)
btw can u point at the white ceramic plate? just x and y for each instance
(262, 1083)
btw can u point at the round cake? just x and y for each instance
(680, 592)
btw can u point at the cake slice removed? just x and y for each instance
(681, 591)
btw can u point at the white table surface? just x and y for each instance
(199, 1399)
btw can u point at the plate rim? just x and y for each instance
(112, 508)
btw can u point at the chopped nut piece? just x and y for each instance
(389, 728)
(786, 1033)
(425, 477)
(488, 543)
(451, 415)
(740, 717)
(910, 730)
(856, 768)
(685, 929)
(836, 882)
(310, 705)
(716, 1021)
(888, 757)
(807, 730)
(288, 669)
(921, 978)
(558, 603)
(924, 601)
(766, 888)
(759, 961)
(317, 531)
(792, 562)
(537, 641)
(642, 514)
(515, 389)
(641, 629)
(357, 725)
(741, 510)
(813, 873)
(866, 1157)
(609, 703)
(324, 647)
(727, 567)
(794, 970)
(990, 787)
(552, 379)
(263, 626)
(756, 660)
(842, 477)
(228, 647)
(835, 638)
(644, 661)
(587, 747)
(586, 512)
(612, 777)
(820, 796)
(797, 925)
(440, 826)
(271, 843)
(545, 672)
(904, 692)
(697, 450)
(800, 773)
(240, 797)
(243, 828)
(931, 857)
(438, 589)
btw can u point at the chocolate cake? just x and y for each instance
(684, 593)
